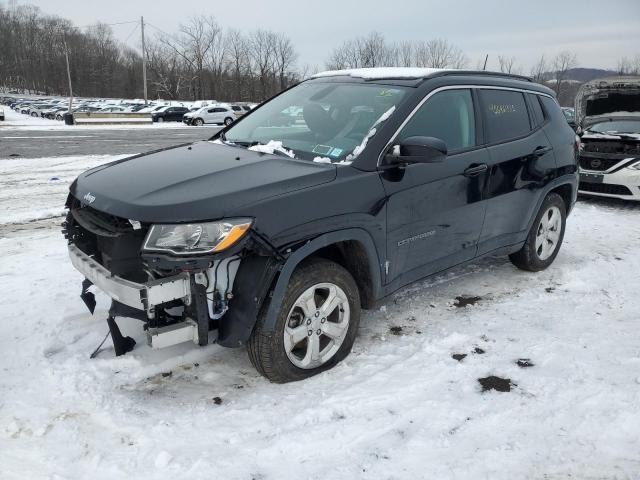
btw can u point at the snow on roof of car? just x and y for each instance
(384, 72)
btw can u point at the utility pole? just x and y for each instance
(144, 61)
(66, 56)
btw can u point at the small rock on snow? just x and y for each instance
(463, 301)
(496, 383)
(458, 356)
(396, 330)
(524, 363)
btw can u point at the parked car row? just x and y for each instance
(161, 111)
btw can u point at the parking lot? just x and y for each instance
(71, 141)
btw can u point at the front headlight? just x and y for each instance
(196, 238)
(635, 166)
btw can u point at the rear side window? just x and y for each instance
(553, 110)
(505, 113)
(447, 115)
(236, 109)
(536, 109)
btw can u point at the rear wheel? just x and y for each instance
(198, 122)
(228, 121)
(545, 238)
(315, 327)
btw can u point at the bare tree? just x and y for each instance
(507, 64)
(539, 70)
(405, 54)
(439, 53)
(262, 48)
(285, 56)
(562, 63)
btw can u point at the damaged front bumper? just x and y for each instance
(143, 298)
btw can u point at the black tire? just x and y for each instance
(228, 121)
(267, 348)
(528, 257)
(198, 122)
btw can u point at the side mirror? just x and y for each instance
(417, 150)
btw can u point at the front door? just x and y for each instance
(435, 211)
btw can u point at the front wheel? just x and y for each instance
(228, 121)
(545, 238)
(198, 122)
(160, 119)
(315, 327)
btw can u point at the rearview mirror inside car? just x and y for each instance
(417, 149)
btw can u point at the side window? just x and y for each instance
(553, 110)
(236, 108)
(219, 110)
(536, 109)
(505, 114)
(447, 115)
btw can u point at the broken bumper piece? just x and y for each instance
(143, 297)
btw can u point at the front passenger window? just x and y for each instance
(447, 115)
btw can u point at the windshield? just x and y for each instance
(327, 122)
(616, 126)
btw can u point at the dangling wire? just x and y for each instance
(97, 350)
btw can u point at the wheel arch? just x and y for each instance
(566, 186)
(353, 248)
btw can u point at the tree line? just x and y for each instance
(202, 60)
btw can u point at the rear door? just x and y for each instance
(435, 210)
(521, 162)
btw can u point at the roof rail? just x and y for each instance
(488, 73)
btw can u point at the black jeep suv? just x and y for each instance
(275, 237)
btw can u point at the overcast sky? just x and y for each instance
(600, 32)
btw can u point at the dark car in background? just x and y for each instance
(275, 238)
(169, 114)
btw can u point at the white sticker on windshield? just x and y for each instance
(335, 152)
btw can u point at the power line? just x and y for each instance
(107, 24)
(159, 29)
(132, 32)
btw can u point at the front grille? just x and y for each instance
(111, 240)
(598, 164)
(604, 188)
(612, 146)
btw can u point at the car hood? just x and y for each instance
(614, 97)
(193, 182)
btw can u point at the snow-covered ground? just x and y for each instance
(399, 407)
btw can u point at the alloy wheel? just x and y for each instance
(548, 233)
(317, 325)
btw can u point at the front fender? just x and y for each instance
(251, 287)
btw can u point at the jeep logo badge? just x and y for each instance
(89, 198)
(596, 163)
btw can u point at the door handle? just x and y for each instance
(538, 152)
(477, 170)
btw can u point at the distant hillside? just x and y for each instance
(587, 74)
